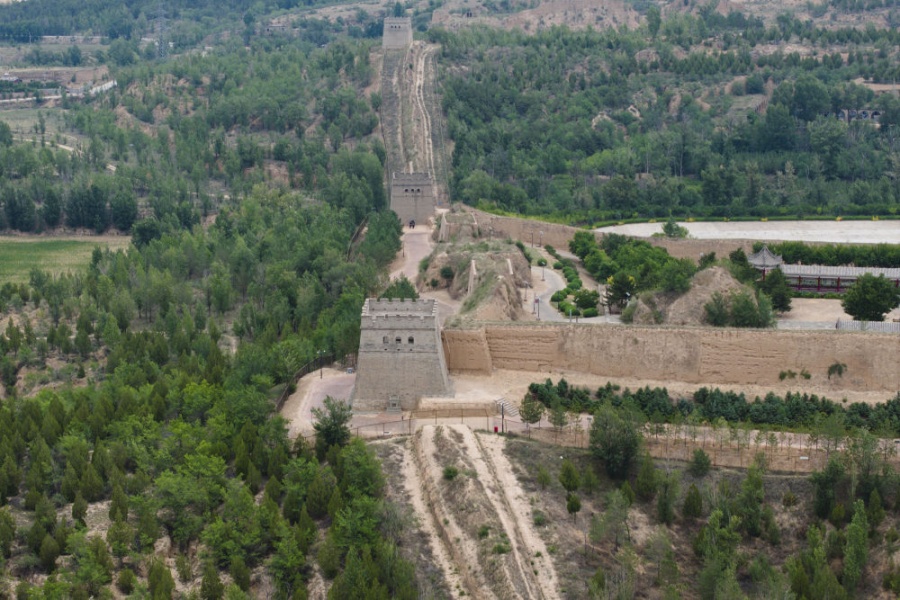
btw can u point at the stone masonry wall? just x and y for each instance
(412, 196)
(397, 33)
(689, 355)
(400, 355)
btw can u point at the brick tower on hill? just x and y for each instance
(401, 358)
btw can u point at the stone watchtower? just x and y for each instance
(397, 33)
(412, 196)
(401, 358)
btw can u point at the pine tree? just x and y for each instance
(49, 552)
(693, 503)
(211, 588)
(336, 503)
(240, 573)
(118, 507)
(307, 530)
(647, 480)
(568, 476)
(7, 532)
(71, 483)
(318, 495)
(79, 508)
(91, 484)
(159, 580)
(856, 552)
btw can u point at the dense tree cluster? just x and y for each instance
(581, 156)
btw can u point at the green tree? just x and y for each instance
(532, 410)
(49, 552)
(654, 20)
(331, 425)
(614, 440)
(871, 298)
(7, 532)
(665, 500)
(573, 505)
(543, 477)
(568, 476)
(559, 417)
(856, 552)
(700, 463)
(776, 287)
(613, 522)
(401, 288)
(160, 582)
(211, 587)
(693, 503)
(647, 479)
(79, 508)
(240, 573)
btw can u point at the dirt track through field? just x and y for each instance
(478, 513)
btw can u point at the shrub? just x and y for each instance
(447, 272)
(700, 463)
(538, 518)
(557, 265)
(450, 473)
(789, 499)
(590, 312)
(483, 532)
(542, 262)
(501, 548)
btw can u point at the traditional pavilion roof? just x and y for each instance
(835, 272)
(764, 259)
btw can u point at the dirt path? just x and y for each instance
(519, 509)
(421, 118)
(485, 513)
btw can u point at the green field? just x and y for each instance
(19, 255)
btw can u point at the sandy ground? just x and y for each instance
(820, 313)
(310, 394)
(845, 232)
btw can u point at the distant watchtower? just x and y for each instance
(412, 196)
(401, 358)
(397, 33)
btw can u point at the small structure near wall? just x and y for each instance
(397, 33)
(401, 357)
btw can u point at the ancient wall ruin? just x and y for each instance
(397, 33)
(401, 358)
(412, 196)
(690, 355)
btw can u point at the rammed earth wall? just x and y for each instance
(690, 355)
